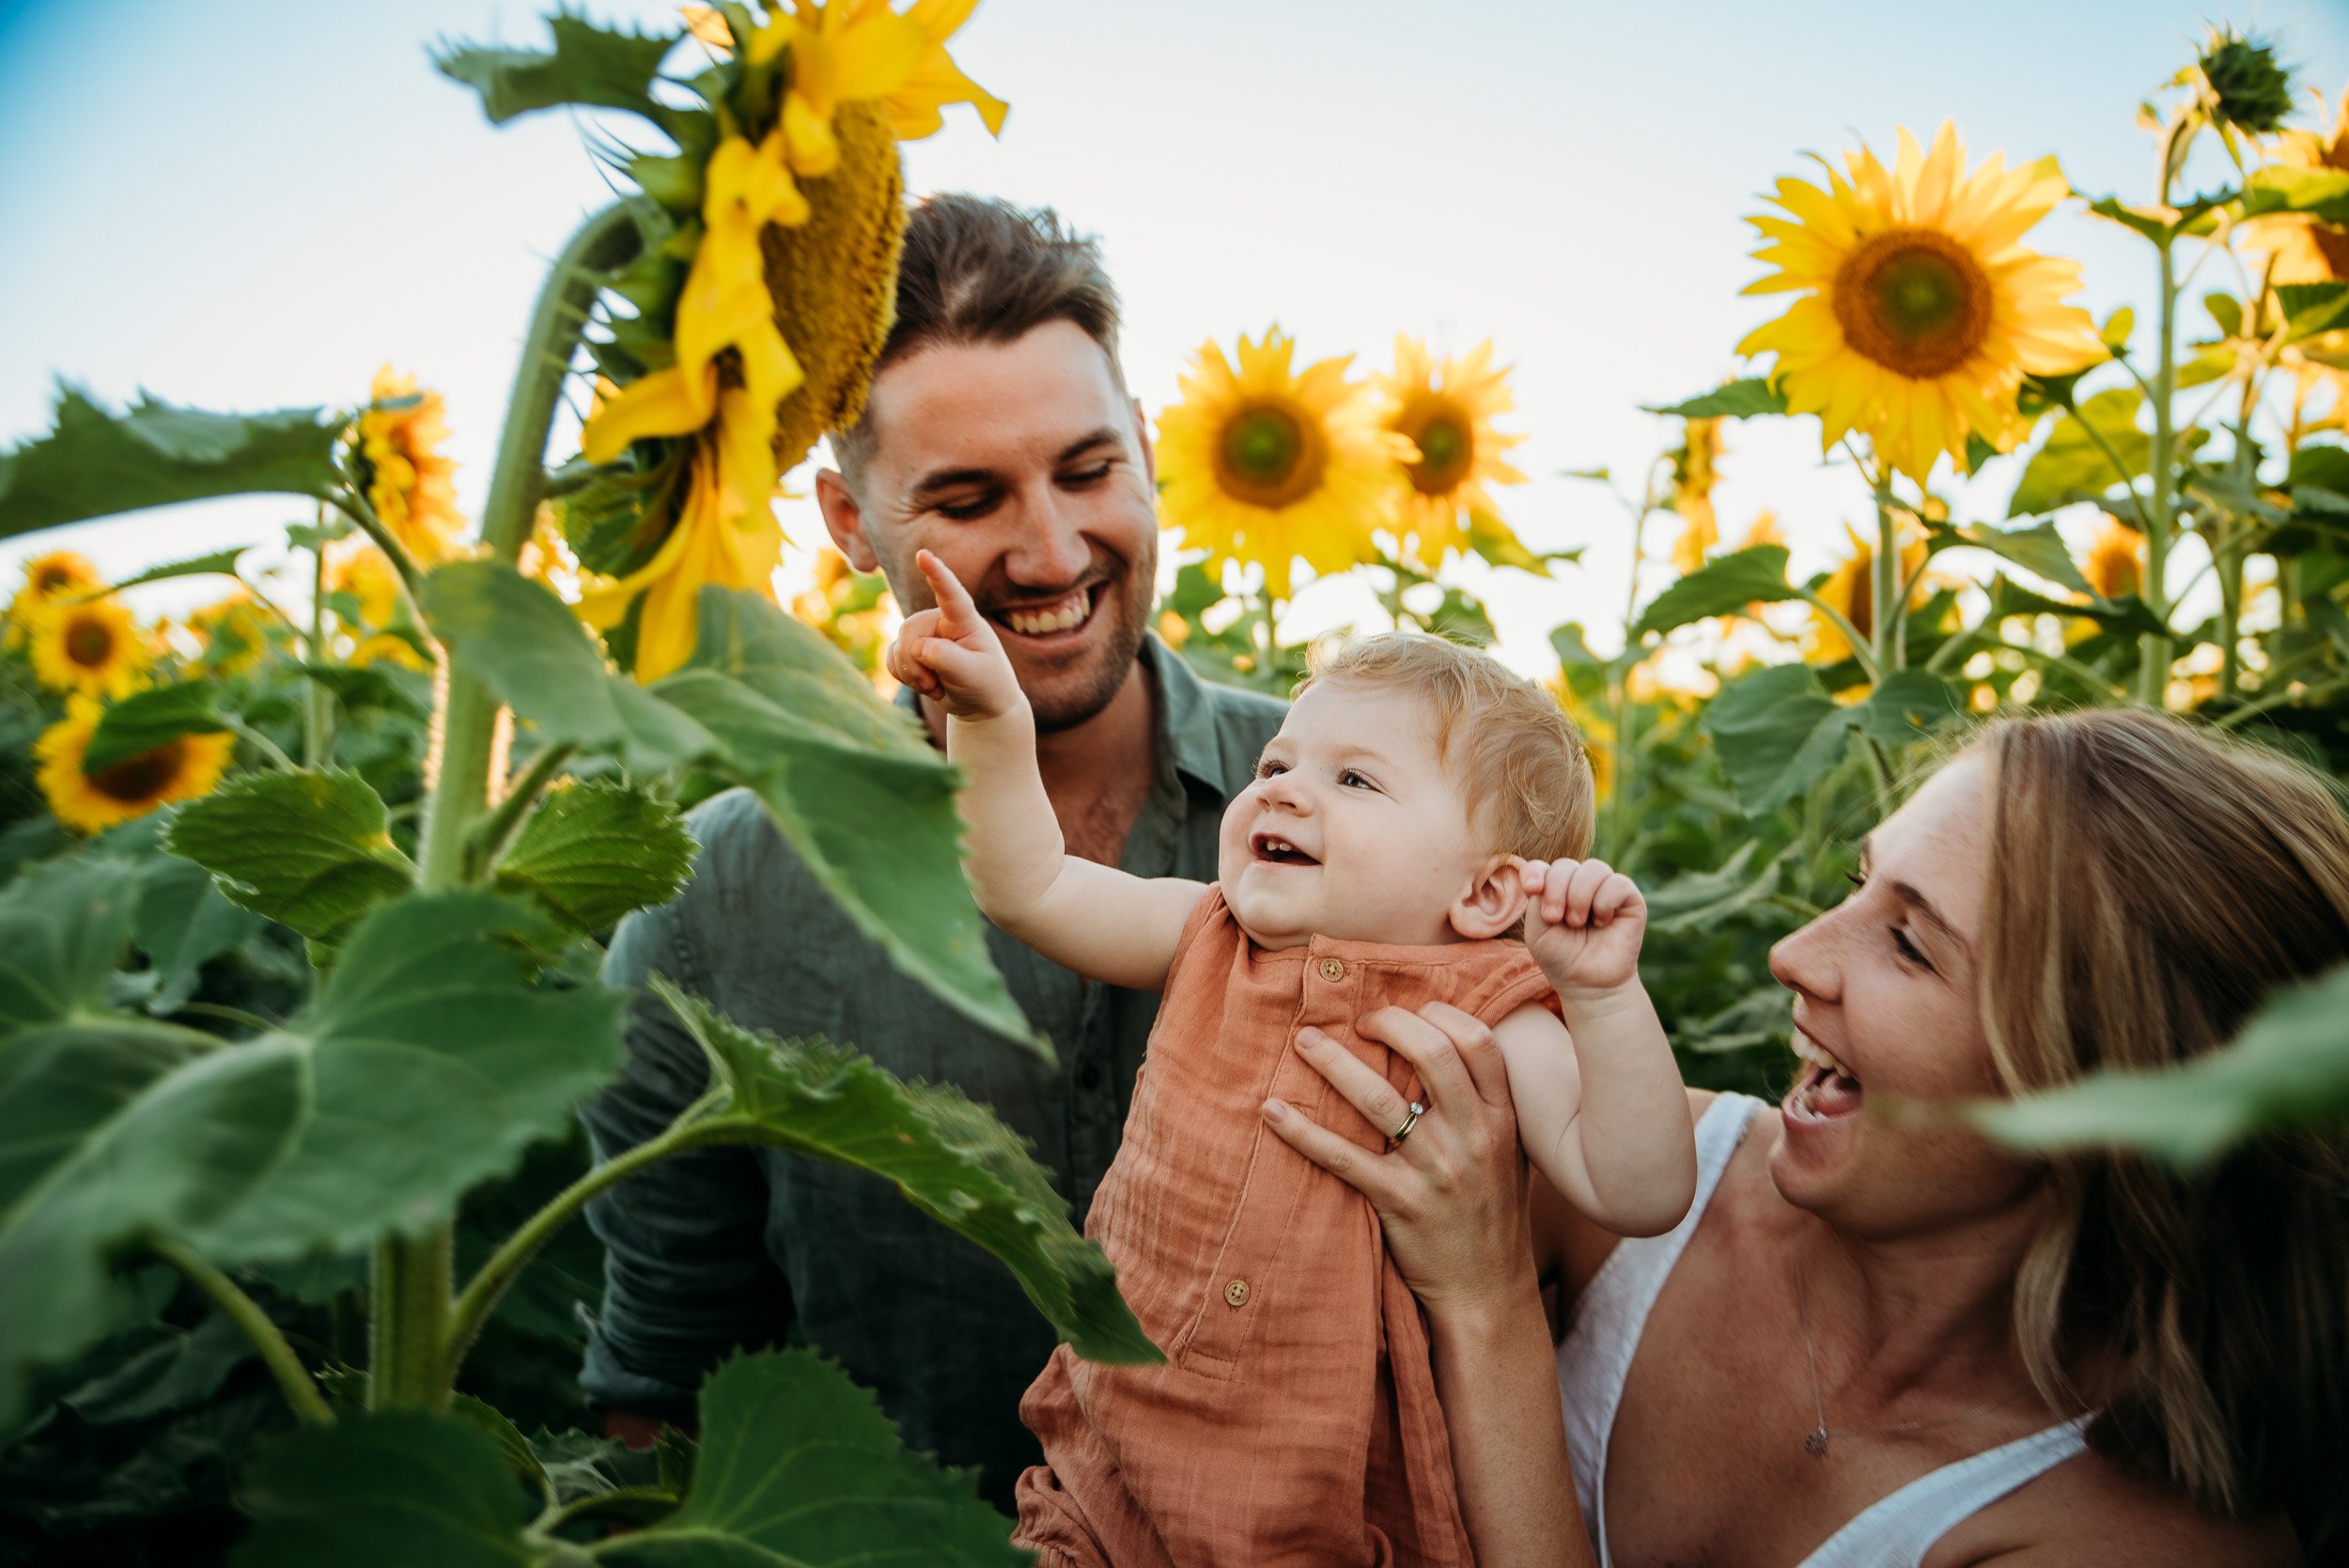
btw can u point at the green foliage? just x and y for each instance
(218, 563)
(310, 851)
(393, 1488)
(147, 721)
(2321, 194)
(593, 852)
(2288, 1068)
(95, 464)
(1722, 586)
(1737, 400)
(2072, 466)
(1779, 731)
(590, 66)
(951, 1159)
(2038, 549)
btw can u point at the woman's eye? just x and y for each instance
(1907, 949)
(1856, 878)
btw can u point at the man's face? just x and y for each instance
(1023, 467)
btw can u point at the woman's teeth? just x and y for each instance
(1818, 1055)
(1069, 612)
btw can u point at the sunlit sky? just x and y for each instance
(244, 206)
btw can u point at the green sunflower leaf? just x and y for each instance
(951, 1159)
(2322, 193)
(855, 786)
(184, 921)
(1777, 733)
(2072, 465)
(2289, 1067)
(1722, 586)
(597, 66)
(539, 659)
(220, 563)
(311, 850)
(2038, 549)
(145, 721)
(1743, 400)
(593, 852)
(1908, 705)
(95, 464)
(385, 1489)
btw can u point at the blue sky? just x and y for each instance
(246, 205)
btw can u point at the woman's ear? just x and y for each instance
(1494, 902)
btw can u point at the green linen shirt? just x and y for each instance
(744, 1247)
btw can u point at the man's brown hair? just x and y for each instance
(978, 269)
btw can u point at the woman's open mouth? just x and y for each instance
(1826, 1088)
(1064, 616)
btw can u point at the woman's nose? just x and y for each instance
(1808, 960)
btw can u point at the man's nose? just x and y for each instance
(1052, 551)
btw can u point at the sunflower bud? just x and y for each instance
(834, 280)
(2245, 88)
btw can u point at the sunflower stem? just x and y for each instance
(314, 710)
(497, 827)
(410, 1329)
(242, 1309)
(1885, 606)
(2152, 666)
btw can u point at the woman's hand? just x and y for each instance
(1452, 1195)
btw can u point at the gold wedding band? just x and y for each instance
(1395, 1138)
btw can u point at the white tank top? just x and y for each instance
(1595, 1357)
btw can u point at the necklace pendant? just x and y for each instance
(1816, 1444)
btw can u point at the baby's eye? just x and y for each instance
(1267, 768)
(1352, 779)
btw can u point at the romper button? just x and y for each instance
(1237, 1293)
(1332, 969)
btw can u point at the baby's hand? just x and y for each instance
(1583, 921)
(951, 654)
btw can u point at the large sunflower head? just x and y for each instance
(1921, 311)
(1445, 410)
(1266, 463)
(90, 802)
(2307, 250)
(408, 482)
(92, 647)
(58, 574)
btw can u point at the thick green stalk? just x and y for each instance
(242, 1310)
(411, 1303)
(316, 713)
(1885, 587)
(2152, 666)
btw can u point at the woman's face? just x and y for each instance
(1885, 1010)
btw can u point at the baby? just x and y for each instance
(1416, 807)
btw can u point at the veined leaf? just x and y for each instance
(220, 563)
(385, 1489)
(799, 1466)
(1737, 400)
(145, 721)
(95, 464)
(311, 850)
(951, 1159)
(2071, 466)
(2322, 193)
(593, 852)
(1908, 705)
(2152, 223)
(1704, 898)
(2038, 549)
(2289, 1067)
(1721, 587)
(857, 788)
(1777, 733)
(597, 66)
(537, 657)
(183, 921)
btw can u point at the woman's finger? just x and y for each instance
(1478, 1052)
(1369, 1174)
(1362, 1085)
(1428, 1046)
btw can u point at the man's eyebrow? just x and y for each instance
(1105, 435)
(1924, 908)
(931, 486)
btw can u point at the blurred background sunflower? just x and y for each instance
(1446, 410)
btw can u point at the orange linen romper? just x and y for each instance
(1296, 1421)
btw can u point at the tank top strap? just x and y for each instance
(1900, 1528)
(1594, 1357)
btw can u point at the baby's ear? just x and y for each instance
(1494, 902)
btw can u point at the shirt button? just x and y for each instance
(1089, 1076)
(1237, 1293)
(1334, 969)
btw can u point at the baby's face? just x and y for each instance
(1351, 830)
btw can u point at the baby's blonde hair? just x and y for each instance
(1519, 759)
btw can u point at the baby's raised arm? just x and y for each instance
(1601, 1108)
(1105, 924)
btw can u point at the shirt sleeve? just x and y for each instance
(687, 1272)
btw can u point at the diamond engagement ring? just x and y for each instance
(1395, 1138)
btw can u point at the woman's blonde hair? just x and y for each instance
(2149, 888)
(1518, 757)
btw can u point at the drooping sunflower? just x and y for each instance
(232, 633)
(47, 578)
(1920, 310)
(355, 566)
(406, 479)
(791, 288)
(180, 770)
(2305, 250)
(1851, 589)
(1695, 466)
(1445, 410)
(1265, 463)
(2115, 562)
(93, 646)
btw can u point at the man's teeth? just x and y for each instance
(1070, 612)
(1811, 1052)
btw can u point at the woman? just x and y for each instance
(1878, 1339)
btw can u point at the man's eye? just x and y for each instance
(1087, 476)
(964, 511)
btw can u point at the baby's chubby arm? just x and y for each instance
(1600, 1104)
(1102, 923)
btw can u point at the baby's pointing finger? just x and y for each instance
(954, 600)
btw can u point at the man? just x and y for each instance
(999, 435)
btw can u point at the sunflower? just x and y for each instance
(1262, 463)
(1597, 734)
(1445, 410)
(47, 578)
(2307, 250)
(92, 647)
(356, 566)
(231, 632)
(1695, 466)
(389, 648)
(406, 478)
(1850, 588)
(178, 770)
(1921, 312)
(2115, 564)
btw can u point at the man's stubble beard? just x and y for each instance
(1100, 685)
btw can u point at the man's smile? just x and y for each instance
(1056, 617)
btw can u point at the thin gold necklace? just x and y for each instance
(1816, 1444)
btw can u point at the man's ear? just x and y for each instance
(1141, 440)
(1494, 902)
(844, 519)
